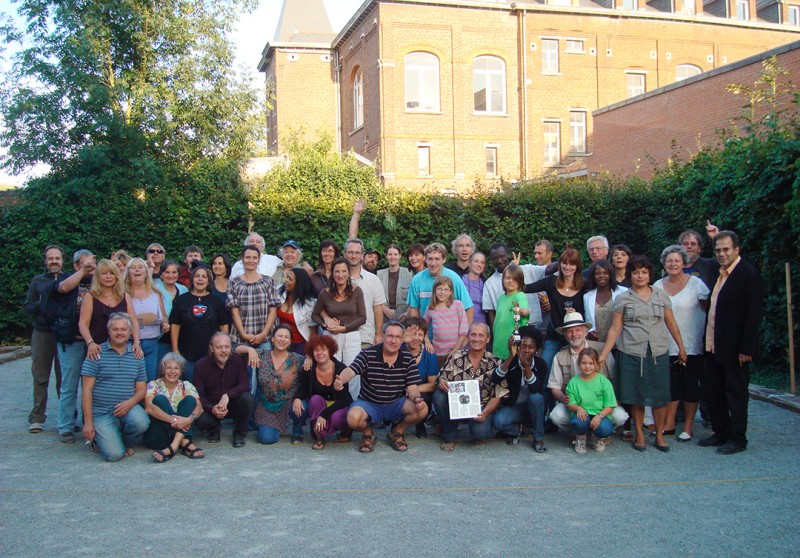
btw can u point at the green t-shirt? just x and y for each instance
(504, 322)
(593, 395)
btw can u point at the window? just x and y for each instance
(575, 46)
(488, 85)
(635, 84)
(577, 131)
(559, 2)
(631, 5)
(794, 15)
(552, 142)
(422, 82)
(683, 71)
(424, 160)
(549, 56)
(742, 9)
(491, 161)
(358, 99)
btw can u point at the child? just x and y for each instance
(512, 302)
(447, 320)
(591, 399)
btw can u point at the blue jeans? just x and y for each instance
(478, 430)
(114, 434)
(150, 350)
(71, 357)
(510, 419)
(604, 430)
(188, 371)
(269, 435)
(549, 350)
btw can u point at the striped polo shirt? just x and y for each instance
(115, 377)
(382, 383)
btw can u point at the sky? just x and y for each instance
(254, 31)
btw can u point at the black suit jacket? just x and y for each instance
(740, 304)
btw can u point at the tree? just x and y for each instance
(146, 77)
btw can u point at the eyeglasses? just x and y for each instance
(155, 251)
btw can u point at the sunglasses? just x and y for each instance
(155, 251)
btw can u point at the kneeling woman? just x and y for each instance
(173, 405)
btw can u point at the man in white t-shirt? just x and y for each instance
(493, 287)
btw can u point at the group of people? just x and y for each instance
(166, 349)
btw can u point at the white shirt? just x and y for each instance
(493, 288)
(372, 288)
(266, 266)
(689, 315)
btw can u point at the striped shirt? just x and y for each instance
(115, 377)
(382, 383)
(447, 325)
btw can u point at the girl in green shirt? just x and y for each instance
(591, 400)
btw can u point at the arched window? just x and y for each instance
(489, 85)
(422, 82)
(358, 99)
(683, 71)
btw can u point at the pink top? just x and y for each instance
(447, 325)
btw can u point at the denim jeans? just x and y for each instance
(509, 419)
(114, 434)
(478, 430)
(604, 429)
(269, 435)
(71, 357)
(150, 350)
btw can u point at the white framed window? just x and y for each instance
(794, 15)
(742, 10)
(489, 85)
(631, 5)
(424, 160)
(683, 71)
(552, 142)
(577, 131)
(635, 84)
(422, 82)
(491, 161)
(559, 2)
(358, 99)
(549, 56)
(575, 46)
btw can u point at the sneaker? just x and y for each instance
(213, 436)
(35, 427)
(598, 445)
(512, 440)
(580, 444)
(66, 438)
(539, 447)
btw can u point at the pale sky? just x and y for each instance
(254, 31)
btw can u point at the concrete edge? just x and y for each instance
(15, 353)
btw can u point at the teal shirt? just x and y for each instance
(593, 395)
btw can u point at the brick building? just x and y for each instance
(450, 92)
(631, 134)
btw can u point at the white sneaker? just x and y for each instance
(580, 443)
(598, 444)
(35, 427)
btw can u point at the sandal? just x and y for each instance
(367, 442)
(162, 456)
(397, 440)
(192, 452)
(343, 437)
(318, 444)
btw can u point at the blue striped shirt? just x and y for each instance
(115, 377)
(382, 383)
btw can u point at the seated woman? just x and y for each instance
(298, 301)
(395, 281)
(327, 406)
(173, 405)
(599, 299)
(277, 380)
(427, 364)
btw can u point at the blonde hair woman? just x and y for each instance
(150, 311)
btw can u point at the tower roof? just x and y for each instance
(304, 21)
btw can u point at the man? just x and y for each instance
(565, 367)
(462, 247)
(493, 288)
(113, 386)
(707, 269)
(371, 260)
(268, 263)
(370, 285)
(68, 292)
(597, 247)
(389, 390)
(473, 363)
(43, 345)
(191, 255)
(224, 388)
(732, 332)
(522, 376)
(421, 289)
(543, 254)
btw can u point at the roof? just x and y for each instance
(304, 21)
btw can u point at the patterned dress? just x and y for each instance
(276, 389)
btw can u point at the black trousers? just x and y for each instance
(239, 409)
(724, 387)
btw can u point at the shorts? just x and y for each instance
(379, 413)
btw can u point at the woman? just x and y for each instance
(221, 269)
(327, 406)
(565, 291)
(599, 299)
(416, 258)
(295, 311)
(195, 317)
(253, 303)
(328, 251)
(155, 259)
(427, 364)
(340, 311)
(121, 259)
(150, 312)
(474, 281)
(173, 405)
(106, 296)
(277, 380)
(689, 297)
(620, 254)
(642, 376)
(170, 290)
(395, 281)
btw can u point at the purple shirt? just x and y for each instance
(475, 291)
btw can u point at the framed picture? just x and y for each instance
(464, 399)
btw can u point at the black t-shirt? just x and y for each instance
(199, 317)
(453, 266)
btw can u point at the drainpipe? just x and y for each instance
(522, 66)
(337, 69)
